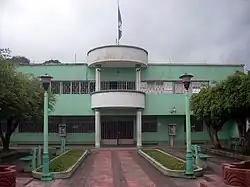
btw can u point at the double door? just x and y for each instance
(117, 132)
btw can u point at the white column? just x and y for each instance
(97, 128)
(138, 129)
(138, 79)
(97, 79)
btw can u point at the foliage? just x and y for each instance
(5, 53)
(20, 60)
(65, 161)
(21, 99)
(228, 100)
(52, 62)
(166, 160)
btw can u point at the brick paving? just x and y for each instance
(115, 168)
(133, 173)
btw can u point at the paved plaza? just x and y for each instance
(116, 168)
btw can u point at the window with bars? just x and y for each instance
(91, 86)
(54, 122)
(84, 87)
(66, 87)
(196, 125)
(55, 87)
(179, 88)
(197, 86)
(130, 85)
(29, 126)
(75, 87)
(149, 123)
(117, 85)
(157, 87)
(80, 124)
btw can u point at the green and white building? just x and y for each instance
(117, 97)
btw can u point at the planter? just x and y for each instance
(169, 172)
(237, 174)
(63, 174)
(7, 176)
(228, 154)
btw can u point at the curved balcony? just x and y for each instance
(117, 56)
(118, 99)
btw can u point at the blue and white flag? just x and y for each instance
(119, 24)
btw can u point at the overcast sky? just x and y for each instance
(183, 30)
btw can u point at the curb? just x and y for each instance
(168, 172)
(63, 174)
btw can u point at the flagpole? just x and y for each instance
(117, 40)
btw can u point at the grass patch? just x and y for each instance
(64, 162)
(166, 160)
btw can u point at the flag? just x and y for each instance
(119, 24)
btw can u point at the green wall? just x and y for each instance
(156, 104)
(160, 136)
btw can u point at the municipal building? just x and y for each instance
(118, 98)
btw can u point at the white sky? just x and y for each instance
(185, 30)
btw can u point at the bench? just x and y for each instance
(27, 161)
(58, 150)
(32, 161)
(235, 144)
(200, 158)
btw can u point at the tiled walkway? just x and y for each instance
(116, 168)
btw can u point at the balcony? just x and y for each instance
(118, 99)
(117, 56)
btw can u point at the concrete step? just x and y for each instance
(213, 181)
(213, 184)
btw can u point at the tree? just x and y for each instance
(228, 100)
(20, 60)
(21, 99)
(206, 106)
(5, 53)
(237, 92)
(52, 62)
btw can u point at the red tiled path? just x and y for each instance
(117, 168)
(133, 173)
(101, 174)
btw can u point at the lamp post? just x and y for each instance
(186, 80)
(46, 79)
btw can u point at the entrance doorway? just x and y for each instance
(117, 132)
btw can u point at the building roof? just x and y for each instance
(150, 64)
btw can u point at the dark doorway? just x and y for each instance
(117, 132)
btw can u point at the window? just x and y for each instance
(149, 124)
(54, 122)
(131, 85)
(104, 85)
(29, 126)
(168, 87)
(157, 87)
(179, 88)
(118, 85)
(113, 85)
(91, 87)
(75, 87)
(197, 86)
(80, 124)
(55, 87)
(84, 87)
(66, 87)
(196, 125)
(143, 86)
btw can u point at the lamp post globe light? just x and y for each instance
(46, 176)
(186, 80)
